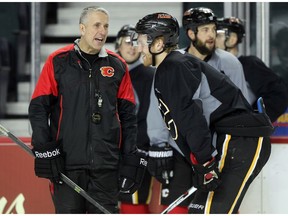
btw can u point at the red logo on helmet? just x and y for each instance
(164, 16)
(107, 71)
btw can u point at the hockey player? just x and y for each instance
(281, 45)
(82, 113)
(198, 103)
(263, 82)
(141, 77)
(200, 26)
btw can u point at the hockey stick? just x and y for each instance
(179, 200)
(64, 178)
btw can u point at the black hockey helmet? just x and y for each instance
(232, 24)
(195, 17)
(159, 24)
(125, 31)
(280, 37)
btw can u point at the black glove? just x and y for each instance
(132, 170)
(161, 163)
(206, 177)
(49, 161)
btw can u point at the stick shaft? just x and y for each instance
(64, 178)
(179, 200)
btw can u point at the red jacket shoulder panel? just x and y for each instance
(46, 84)
(126, 90)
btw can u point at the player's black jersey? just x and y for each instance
(142, 78)
(265, 83)
(193, 97)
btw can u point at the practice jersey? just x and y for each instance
(156, 128)
(141, 78)
(265, 83)
(192, 97)
(229, 65)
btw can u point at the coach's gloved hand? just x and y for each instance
(161, 163)
(49, 161)
(206, 177)
(132, 170)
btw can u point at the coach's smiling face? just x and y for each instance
(94, 32)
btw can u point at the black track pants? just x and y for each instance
(101, 185)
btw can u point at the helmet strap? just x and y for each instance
(154, 55)
(153, 59)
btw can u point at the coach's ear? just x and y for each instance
(82, 29)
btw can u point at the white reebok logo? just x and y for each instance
(47, 154)
(143, 162)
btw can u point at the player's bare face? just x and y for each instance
(94, 32)
(205, 39)
(143, 47)
(127, 51)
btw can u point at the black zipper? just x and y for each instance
(91, 95)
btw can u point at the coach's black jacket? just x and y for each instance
(64, 100)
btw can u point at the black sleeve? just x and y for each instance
(175, 86)
(267, 84)
(43, 100)
(142, 78)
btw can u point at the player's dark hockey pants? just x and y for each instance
(241, 158)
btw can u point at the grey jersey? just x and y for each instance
(156, 127)
(228, 64)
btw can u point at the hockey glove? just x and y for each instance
(49, 162)
(161, 163)
(206, 177)
(132, 171)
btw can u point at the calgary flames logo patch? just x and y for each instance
(107, 71)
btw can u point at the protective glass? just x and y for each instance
(140, 39)
(222, 32)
